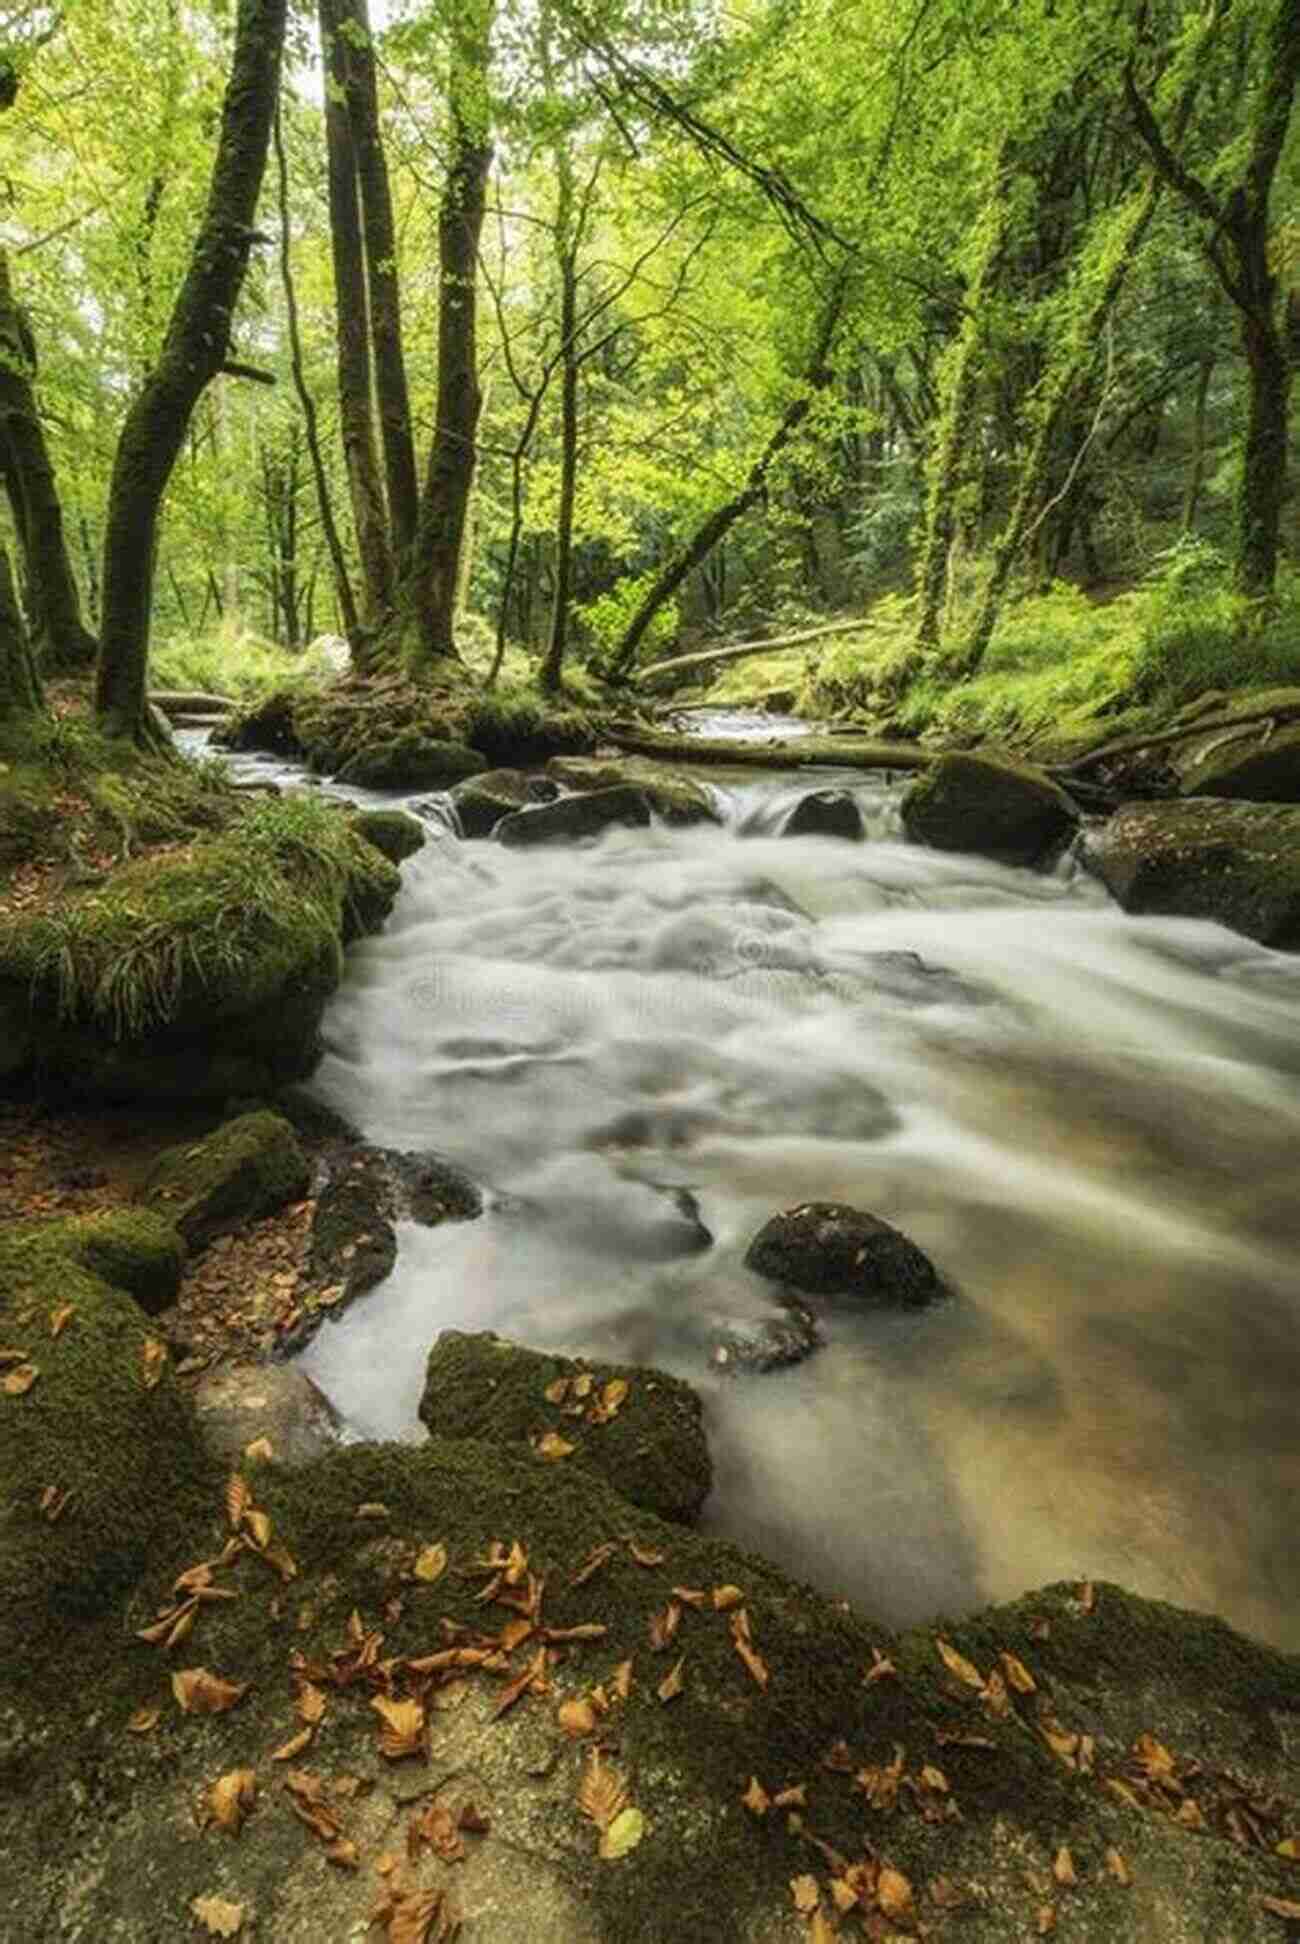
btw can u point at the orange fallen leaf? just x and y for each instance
(881, 1666)
(430, 1563)
(1045, 1920)
(756, 1799)
(672, 1684)
(622, 1682)
(551, 1445)
(258, 1526)
(602, 1792)
(153, 1357)
(1290, 1848)
(1281, 1907)
(645, 1555)
(260, 1451)
(294, 1746)
(61, 1317)
(726, 1597)
(1117, 1866)
(230, 1798)
(893, 1893)
(555, 1393)
(144, 1721)
(957, 1664)
(219, 1917)
(806, 1894)
(740, 1639)
(239, 1496)
(1154, 1757)
(1018, 1675)
(19, 1380)
(1063, 1868)
(198, 1691)
(401, 1731)
(577, 1718)
(593, 1563)
(663, 1626)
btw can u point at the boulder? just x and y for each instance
(1255, 762)
(573, 817)
(1005, 810)
(353, 1243)
(1205, 857)
(482, 801)
(743, 1344)
(677, 799)
(266, 725)
(392, 832)
(411, 760)
(824, 813)
(135, 1249)
(100, 1460)
(650, 1446)
(830, 1249)
(239, 1404)
(246, 1169)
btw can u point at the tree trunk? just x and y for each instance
(391, 392)
(351, 324)
(430, 593)
(567, 245)
(707, 536)
(193, 352)
(58, 637)
(1196, 478)
(1263, 478)
(20, 685)
(325, 506)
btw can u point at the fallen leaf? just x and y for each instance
(740, 1639)
(401, 1730)
(258, 1525)
(622, 1834)
(153, 1357)
(726, 1597)
(556, 1392)
(552, 1445)
(1191, 1816)
(144, 1721)
(1154, 1757)
(1117, 1867)
(1063, 1868)
(310, 1703)
(1290, 1848)
(218, 1917)
(593, 1563)
(645, 1555)
(183, 1624)
(1281, 1907)
(577, 1718)
(806, 1894)
(1086, 1595)
(934, 1778)
(994, 1695)
(231, 1797)
(958, 1664)
(294, 1746)
(582, 1383)
(260, 1450)
(672, 1684)
(602, 1792)
(343, 1853)
(1045, 1920)
(371, 1509)
(819, 1931)
(1018, 1675)
(611, 1401)
(893, 1893)
(622, 1680)
(54, 1503)
(198, 1691)
(437, 1827)
(61, 1317)
(407, 1914)
(534, 1675)
(756, 1799)
(690, 1596)
(19, 1380)
(8, 1355)
(431, 1563)
(880, 1667)
(663, 1626)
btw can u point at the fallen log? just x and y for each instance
(174, 702)
(1159, 738)
(701, 657)
(800, 752)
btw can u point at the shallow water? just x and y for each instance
(1089, 1121)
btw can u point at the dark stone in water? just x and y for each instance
(833, 1250)
(756, 1344)
(825, 813)
(1008, 811)
(573, 817)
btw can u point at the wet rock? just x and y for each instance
(237, 1404)
(246, 1169)
(135, 1250)
(833, 1250)
(1236, 863)
(824, 813)
(431, 1190)
(1256, 762)
(759, 1343)
(573, 817)
(676, 798)
(996, 808)
(482, 801)
(650, 1447)
(353, 1243)
(391, 832)
(411, 760)
(266, 725)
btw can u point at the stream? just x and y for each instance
(1090, 1122)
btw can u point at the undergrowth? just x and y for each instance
(232, 662)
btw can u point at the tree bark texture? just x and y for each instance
(352, 324)
(20, 685)
(196, 346)
(53, 604)
(566, 256)
(707, 535)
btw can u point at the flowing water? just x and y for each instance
(1088, 1121)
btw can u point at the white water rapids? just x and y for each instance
(1090, 1123)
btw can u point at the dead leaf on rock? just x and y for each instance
(893, 1893)
(756, 1799)
(294, 1746)
(18, 1381)
(1045, 1920)
(54, 1503)
(602, 1792)
(806, 1894)
(198, 1691)
(144, 1721)
(239, 1496)
(219, 1917)
(1117, 1866)
(551, 1445)
(430, 1563)
(881, 1667)
(407, 1914)
(230, 1798)
(1281, 1907)
(623, 1834)
(1018, 1675)
(61, 1317)
(1154, 1757)
(582, 1383)
(371, 1509)
(672, 1684)
(663, 1626)
(556, 1392)
(436, 1826)
(153, 1356)
(726, 1597)
(577, 1718)
(258, 1526)
(1063, 1868)
(533, 1676)
(622, 1681)
(593, 1563)
(957, 1664)
(261, 1451)
(645, 1555)
(401, 1731)
(310, 1703)
(1290, 1848)
(741, 1641)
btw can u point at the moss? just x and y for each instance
(1206, 857)
(676, 798)
(410, 760)
(136, 1250)
(246, 1169)
(652, 1450)
(127, 1455)
(395, 835)
(998, 808)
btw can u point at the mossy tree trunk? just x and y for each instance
(1235, 237)
(352, 323)
(711, 531)
(428, 604)
(53, 604)
(194, 350)
(20, 685)
(566, 252)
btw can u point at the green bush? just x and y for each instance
(608, 616)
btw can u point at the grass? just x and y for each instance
(232, 661)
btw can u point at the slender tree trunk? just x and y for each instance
(351, 324)
(706, 536)
(1196, 477)
(311, 425)
(54, 607)
(567, 245)
(430, 593)
(391, 393)
(193, 352)
(20, 685)
(1263, 481)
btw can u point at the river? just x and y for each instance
(1090, 1122)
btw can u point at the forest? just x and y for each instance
(649, 909)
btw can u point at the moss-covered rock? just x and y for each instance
(651, 1446)
(135, 1249)
(246, 1169)
(268, 724)
(571, 818)
(393, 833)
(824, 813)
(353, 1242)
(201, 971)
(1258, 763)
(102, 1422)
(1000, 809)
(411, 760)
(1204, 857)
(678, 799)
(833, 1250)
(482, 801)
